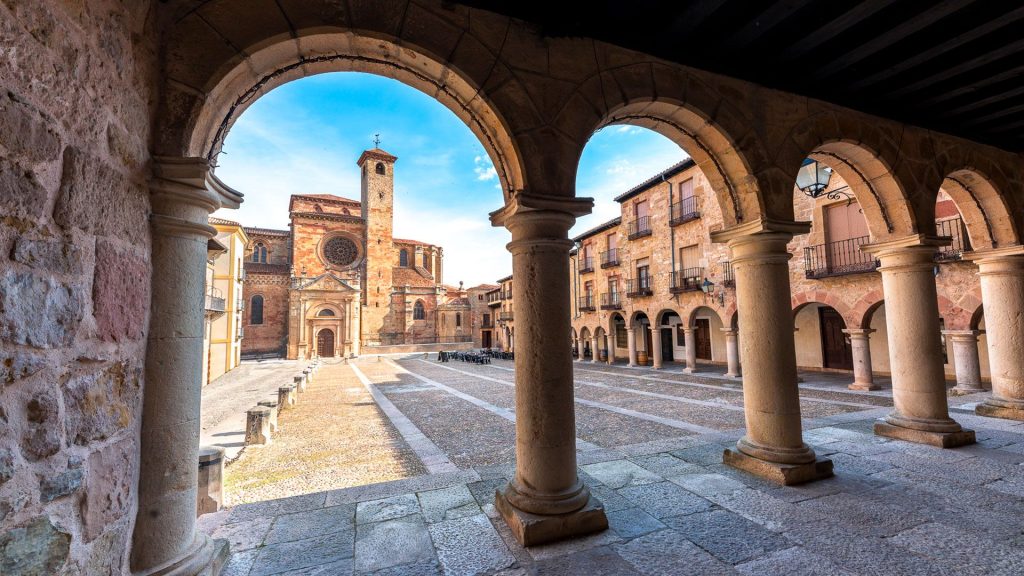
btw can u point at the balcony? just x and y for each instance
(610, 258)
(639, 287)
(506, 295)
(953, 228)
(215, 302)
(586, 265)
(494, 299)
(838, 258)
(684, 211)
(639, 228)
(687, 280)
(730, 279)
(611, 301)
(488, 323)
(505, 316)
(587, 303)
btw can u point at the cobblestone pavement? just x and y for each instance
(649, 446)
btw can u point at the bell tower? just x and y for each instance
(377, 169)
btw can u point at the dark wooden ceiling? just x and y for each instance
(955, 66)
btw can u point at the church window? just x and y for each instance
(458, 319)
(340, 251)
(403, 258)
(325, 312)
(256, 310)
(259, 253)
(418, 313)
(425, 260)
(380, 168)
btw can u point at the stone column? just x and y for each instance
(773, 445)
(860, 344)
(921, 413)
(580, 348)
(165, 540)
(546, 500)
(594, 355)
(966, 361)
(732, 352)
(690, 341)
(631, 345)
(1002, 292)
(655, 354)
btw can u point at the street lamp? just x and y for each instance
(813, 178)
(708, 288)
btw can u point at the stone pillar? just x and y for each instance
(165, 540)
(655, 354)
(921, 413)
(579, 348)
(860, 344)
(284, 398)
(966, 361)
(631, 345)
(773, 445)
(690, 341)
(732, 353)
(1001, 272)
(211, 474)
(257, 426)
(594, 355)
(545, 501)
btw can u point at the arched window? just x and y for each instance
(380, 168)
(325, 312)
(418, 313)
(458, 319)
(425, 265)
(403, 257)
(259, 253)
(256, 310)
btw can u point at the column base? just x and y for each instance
(864, 386)
(533, 529)
(785, 474)
(731, 375)
(999, 410)
(689, 370)
(938, 439)
(962, 391)
(206, 558)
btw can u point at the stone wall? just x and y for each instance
(272, 334)
(76, 88)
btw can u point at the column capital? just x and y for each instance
(963, 335)
(920, 245)
(1006, 261)
(730, 331)
(760, 227)
(521, 204)
(689, 329)
(860, 332)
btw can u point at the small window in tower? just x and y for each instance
(259, 253)
(458, 319)
(418, 313)
(380, 168)
(403, 258)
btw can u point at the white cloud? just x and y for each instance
(484, 170)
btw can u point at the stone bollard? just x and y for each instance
(272, 404)
(284, 398)
(293, 394)
(257, 426)
(211, 473)
(308, 374)
(300, 383)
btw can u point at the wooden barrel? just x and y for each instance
(641, 357)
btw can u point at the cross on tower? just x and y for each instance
(376, 140)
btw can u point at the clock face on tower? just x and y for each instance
(340, 251)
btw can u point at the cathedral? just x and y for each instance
(338, 280)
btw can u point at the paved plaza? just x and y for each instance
(649, 446)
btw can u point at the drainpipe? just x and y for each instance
(671, 232)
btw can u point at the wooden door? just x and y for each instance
(666, 344)
(835, 350)
(325, 342)
(702, 338)
(485, 340)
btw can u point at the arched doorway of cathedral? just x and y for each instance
(707, 335)
(820, 337)
(325, 343)
(328, 325)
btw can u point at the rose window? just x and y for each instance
(340, 251)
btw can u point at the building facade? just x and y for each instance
(226, 279)
(338, 280)
(650, 287)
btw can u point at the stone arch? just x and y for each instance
(960, 315)
(691, 316)
(723, 157)
(864, 314)
(659, 318)
(984, 210)
(317, 310)
(870, 156)
(636, 316)
(977, 318)
(215, 70)
(584, 333)
(824, 298)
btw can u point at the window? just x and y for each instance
(612, 241)
(487, 320)
(403, 258)
(458, 319)
(621, 338)
(380, 168)
(259, 253)
(686, 189)
(689, 257)
(680, 336)
(325, 312)
(643, 273)
(613, 285)
(256, 310)
(418, 313)
(641, 209)
(425, 260)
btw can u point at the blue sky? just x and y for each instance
(305, 137)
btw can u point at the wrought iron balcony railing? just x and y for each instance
(838, 258)
(684, 211)
(586, 265)
(505, 316)
(639, 287)
(639, 228)
(587, 303)
(610, 258)
(687, 280)
(954, 228)
(611, 301)
(494, 298)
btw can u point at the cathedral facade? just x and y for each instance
(337, 280)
